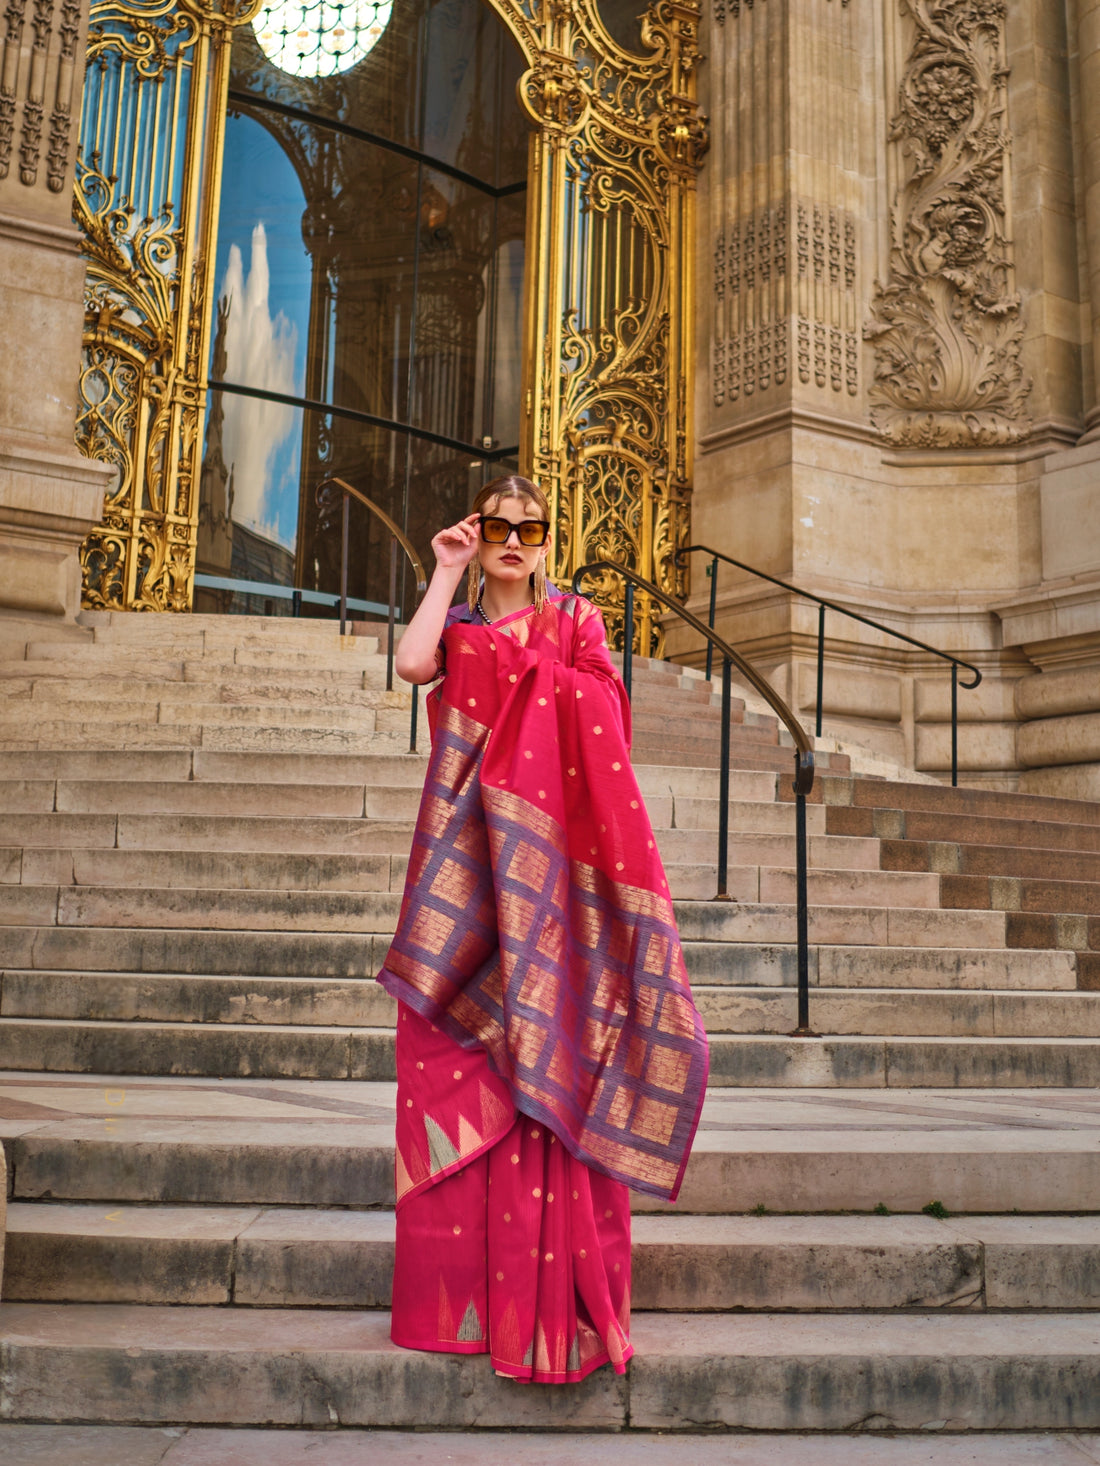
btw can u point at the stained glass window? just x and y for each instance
(320, 37)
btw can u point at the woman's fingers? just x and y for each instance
(457, 544)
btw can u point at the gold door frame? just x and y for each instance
(607, 391)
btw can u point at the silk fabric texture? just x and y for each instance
(548, 1044)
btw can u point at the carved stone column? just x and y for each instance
(50, 495)
(1089, 61)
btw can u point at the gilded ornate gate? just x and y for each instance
(607, 395)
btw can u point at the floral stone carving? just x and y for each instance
(947, 325)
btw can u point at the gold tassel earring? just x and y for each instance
(540, 584)
(473, 583)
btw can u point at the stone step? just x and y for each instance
(41, 944)
(299, 1367)
(224, 869)
(914, 1013)
(721, 922)
(133, 734)
(728, 1008)
(1024, 894)
(955, 828)
(876, 794)
(991, 861)
(235, 686)
(236, 913)
(227, 868)
(123, 997)
(174, 711)
(287, 953)
(270, 1142)
(122, 1445)
(391, 735)
(300, 1258)
(242, 834)
(109, 627)
(388, 770)
(294, 1051)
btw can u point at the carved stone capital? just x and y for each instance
(41, 69)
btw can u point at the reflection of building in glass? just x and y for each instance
(398, 327)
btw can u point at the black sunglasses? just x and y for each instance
(496, 531)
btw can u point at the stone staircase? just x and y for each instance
(204, 825)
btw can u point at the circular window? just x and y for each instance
(321, 38)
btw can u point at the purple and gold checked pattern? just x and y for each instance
(573, 983)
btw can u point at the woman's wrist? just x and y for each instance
(449, 576)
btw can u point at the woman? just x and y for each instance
(549, 1054)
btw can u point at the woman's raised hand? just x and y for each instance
(455, 547)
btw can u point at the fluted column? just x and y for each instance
(1088, 32)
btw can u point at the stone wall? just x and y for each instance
(50, 496)
(899, 332)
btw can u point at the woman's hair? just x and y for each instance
(511, 486)
(508, 486)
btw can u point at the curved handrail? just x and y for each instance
(398, 533)
(804, 752)
(832, 606)
(397, 537)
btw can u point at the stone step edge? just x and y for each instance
(971, 1262)
(762, 992)
(778, 1229)
(758, 1371)
(802, 1043)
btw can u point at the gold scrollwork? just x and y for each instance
(148, 175)
(611, 224)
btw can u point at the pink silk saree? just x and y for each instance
(549, 1052)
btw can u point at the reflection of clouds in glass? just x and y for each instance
(259, 353)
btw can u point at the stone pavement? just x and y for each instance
(55, 1445)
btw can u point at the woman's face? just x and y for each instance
(512, 561)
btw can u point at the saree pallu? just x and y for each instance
(543, 989)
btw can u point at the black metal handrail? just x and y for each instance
(803, 756)
(823, 605)
(325, 490)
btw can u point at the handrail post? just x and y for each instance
(722, 893)
(628, 639)
(802, 918)
(713, 612)
(344, 535)
(413, 717)
(390, 621)
(820, 665)
(954, 725)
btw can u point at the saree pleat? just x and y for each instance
(521, 1252)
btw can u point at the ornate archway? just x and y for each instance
(607, 391)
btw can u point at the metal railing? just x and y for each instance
(822, 606)
(803, 755)
(326, 490)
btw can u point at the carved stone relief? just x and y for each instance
(947, 324)
(32, 83)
